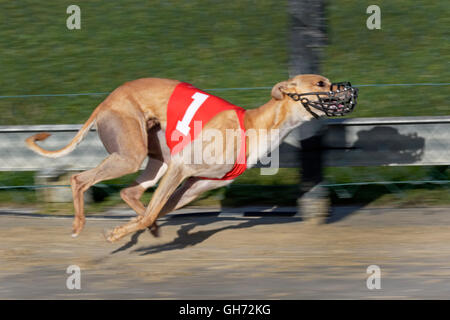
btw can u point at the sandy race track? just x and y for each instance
(232, 256)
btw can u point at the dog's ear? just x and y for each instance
(278, 90)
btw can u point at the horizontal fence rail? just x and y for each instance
(376, 142)
(346, 142)
(379, 85)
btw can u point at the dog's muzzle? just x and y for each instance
(340, 100)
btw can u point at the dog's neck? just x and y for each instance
(280, 115)
(276, 114)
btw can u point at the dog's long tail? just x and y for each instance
(31, 141)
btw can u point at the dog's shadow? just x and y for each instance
(185, 238)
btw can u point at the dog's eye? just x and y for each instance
(320, 84)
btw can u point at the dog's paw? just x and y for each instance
(155, 230)
(77, 226)
(76, 232)
(113, 235)
(109, 235)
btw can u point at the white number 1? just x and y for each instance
(183, 125)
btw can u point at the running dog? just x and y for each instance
(161, 119)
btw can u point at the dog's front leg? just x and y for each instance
(191, 189)
(148, 178)
(169, 183)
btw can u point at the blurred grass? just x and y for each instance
(218, 44)
(215, 44)
(210, 43)
(412, 46)
(253, 189)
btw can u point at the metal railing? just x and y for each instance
(418, 141)
(347, 142)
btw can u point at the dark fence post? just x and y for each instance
(307, 39)
(307, 36)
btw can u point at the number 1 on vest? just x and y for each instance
(183, 125)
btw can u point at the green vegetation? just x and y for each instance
(219, 44)
(412, 47)
(213, 44)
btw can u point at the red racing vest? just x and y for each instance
(188, 105)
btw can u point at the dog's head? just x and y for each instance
(318, 95)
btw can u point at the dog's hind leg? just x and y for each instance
(114, 166)
(159, 156)
(116, 134)
(154, 170)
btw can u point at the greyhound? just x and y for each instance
(133, 123)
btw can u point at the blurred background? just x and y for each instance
(237, 50)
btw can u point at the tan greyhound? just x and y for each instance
(131, 123)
